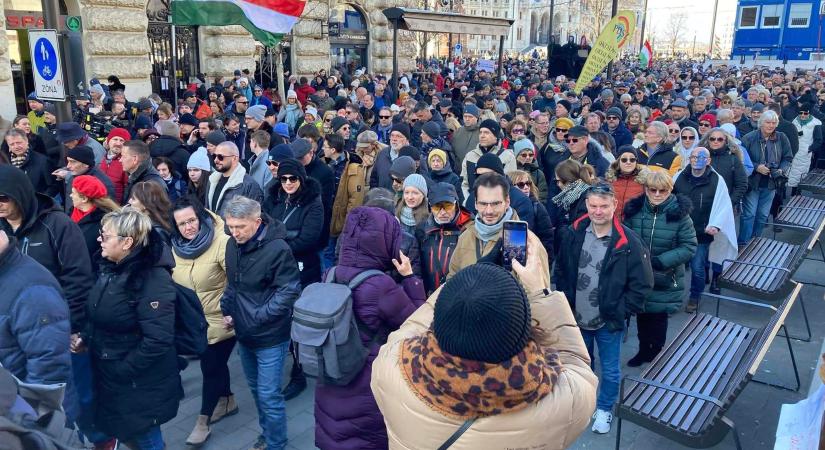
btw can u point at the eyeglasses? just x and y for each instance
(688, 138)
(627, 160)
(612, 117)
(186, 223)
(803, 113)
(103, 238)
(526, 154)
(272, 163)
(704, 124)
(625, 102)
(517, 131)
(219, 157)
(673, 131)
(523, 184)
(384, 117)
(397, 180)
(658, 191)
(716, 139)
(572, 140)
(443, 206)
(486, 205)
(288, 178)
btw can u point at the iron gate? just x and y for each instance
(161, 53)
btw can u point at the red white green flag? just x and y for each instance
(646, 56)
(267, 20)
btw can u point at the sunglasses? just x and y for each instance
(272, 163)
(527, 154)
(803, 113)
(673, 131)
(523, 184)
(443, 206)
(688, 138)
(397, 180)
(288, 178)
(561, 130)
(704, 124)
(658, 191)
(219, 157)
(241, 103)
(716, 139)
(518, 131)
(572, 140)
(385, 117)
(627, 160)
(612, 118)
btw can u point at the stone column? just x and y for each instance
(311, 49)
(224, 49)
(8, 108)
(381, 40)
(115, 43)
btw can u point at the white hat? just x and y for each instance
(199, 160)
(311, 110)
(355, 83)
(395, 108)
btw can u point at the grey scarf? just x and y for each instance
(571, 193)
(407, 217)
(485, 232)
(191, 249)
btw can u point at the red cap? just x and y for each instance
(89, 186)
(122, 133)
(710, 118)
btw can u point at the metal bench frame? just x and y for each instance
(819, 215)
(706, 423)
(808, 181)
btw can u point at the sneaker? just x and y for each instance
(260, 444)
(601, 421)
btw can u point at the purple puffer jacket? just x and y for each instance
(347, 417)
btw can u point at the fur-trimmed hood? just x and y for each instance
(675, 208)
(639, 174)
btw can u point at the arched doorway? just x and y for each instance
(348, 38)
(544, 29)
(159, 32)
(534, 24)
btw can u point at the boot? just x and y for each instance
(200, 433)
(714, 285)
(226, 407)
(297, 383)
(692, 305)
(644, 356)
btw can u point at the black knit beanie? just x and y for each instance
(482, 314)
(293, 167)
(491, 125)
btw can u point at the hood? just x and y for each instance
(619, 236)
(310, 190)
(612, 173)
(274, 229)
(165, 146)
(16, 184)
(371, 239)
(676, 207)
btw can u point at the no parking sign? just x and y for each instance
(46, 67)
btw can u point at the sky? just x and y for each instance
(699, 15)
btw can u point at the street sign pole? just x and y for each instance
(51, 18)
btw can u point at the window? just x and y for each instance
(518, 34)
(771, 16)
(800, 15)
(747, 16)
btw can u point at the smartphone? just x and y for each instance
(514, 243)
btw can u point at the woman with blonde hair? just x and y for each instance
(326, 126)
(91, 202)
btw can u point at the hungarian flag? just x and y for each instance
(266, 20)
(646, 56)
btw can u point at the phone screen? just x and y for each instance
(514, 243)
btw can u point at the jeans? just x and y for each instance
(263, 368)
(151, 439)
(697, 270)
(328, 254)
(215, 374)
(84, 386)
(755, 208)
(610, 347)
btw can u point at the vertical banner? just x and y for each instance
(613, 37)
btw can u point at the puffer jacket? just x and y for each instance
(728, 164)
(437, 243)
(131, 336)
(303, 217)
(554, 422)
(350, 195)
(468, 167)
(667, 232)
(264, 283)
(206, 275)
(626, 187)
(347, 417)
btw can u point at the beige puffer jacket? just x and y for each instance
(553, 423)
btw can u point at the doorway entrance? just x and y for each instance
(348, 38)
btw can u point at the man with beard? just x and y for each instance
(680, 114)
(229, 179)
(399, 137)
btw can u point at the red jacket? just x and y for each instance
(626, 188)
(114, 170)
(304, 92)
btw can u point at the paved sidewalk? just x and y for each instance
(755, 412)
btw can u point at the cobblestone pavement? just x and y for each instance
(755, 412)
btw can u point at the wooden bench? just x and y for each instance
(686, 391)
(805, 213)
(813, 181)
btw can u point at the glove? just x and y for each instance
(656, 263)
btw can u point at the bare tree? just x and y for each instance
(598, 14)
(674, 31)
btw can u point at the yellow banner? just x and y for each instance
(613, 37)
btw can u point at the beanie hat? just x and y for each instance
(432, 129)
(89, 186)
(188, 119)
(294, 167)
(168, 128)
(492, 325)
(291, 94)
(472, 110)
(492, 162)
(199, 160)
(522, 145)
(565, 123)
(417, 181)
(614, 111)
(491, 125)
(412, 152)
(729, 128)
(566, 104)
(402, 167)
(710, 118)
(442, 192)
(338, 122)
(402, 128)
(143, 122)
(122, 133)
(50, 108)
(257, 113)
(627, 149)
(437, 152)
(280, 153)
(282, 129)
(82, 154)
(300, 148)
(311, 111)
(215, 137)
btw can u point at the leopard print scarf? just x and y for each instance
(463, 388)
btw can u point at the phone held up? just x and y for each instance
(514, 243)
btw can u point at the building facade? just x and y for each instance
(776, 30)
(133, 40)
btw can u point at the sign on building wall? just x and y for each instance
(46, 67)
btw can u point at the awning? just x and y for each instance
(441, 22)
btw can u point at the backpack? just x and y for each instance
(190, 322)
(325, 330)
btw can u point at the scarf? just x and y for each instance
(407, 217)
(804, 122)
(570, 194)
(485, 232)
(78, 215)
(191, 249)
(463, 388)
(18, 161)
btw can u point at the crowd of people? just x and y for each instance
(245, 201)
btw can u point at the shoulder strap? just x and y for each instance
(361, 277)
(464, 427)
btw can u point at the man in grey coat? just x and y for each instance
(229, 179)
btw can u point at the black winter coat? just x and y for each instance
(39, 172)
(326, 180)
(90, 227)
(303, 216)
(732, 170)
(700, 191)
(145, 172)
(172, 148)
(263, 283)
(626, 277)
(131, 337)
(437, 243)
